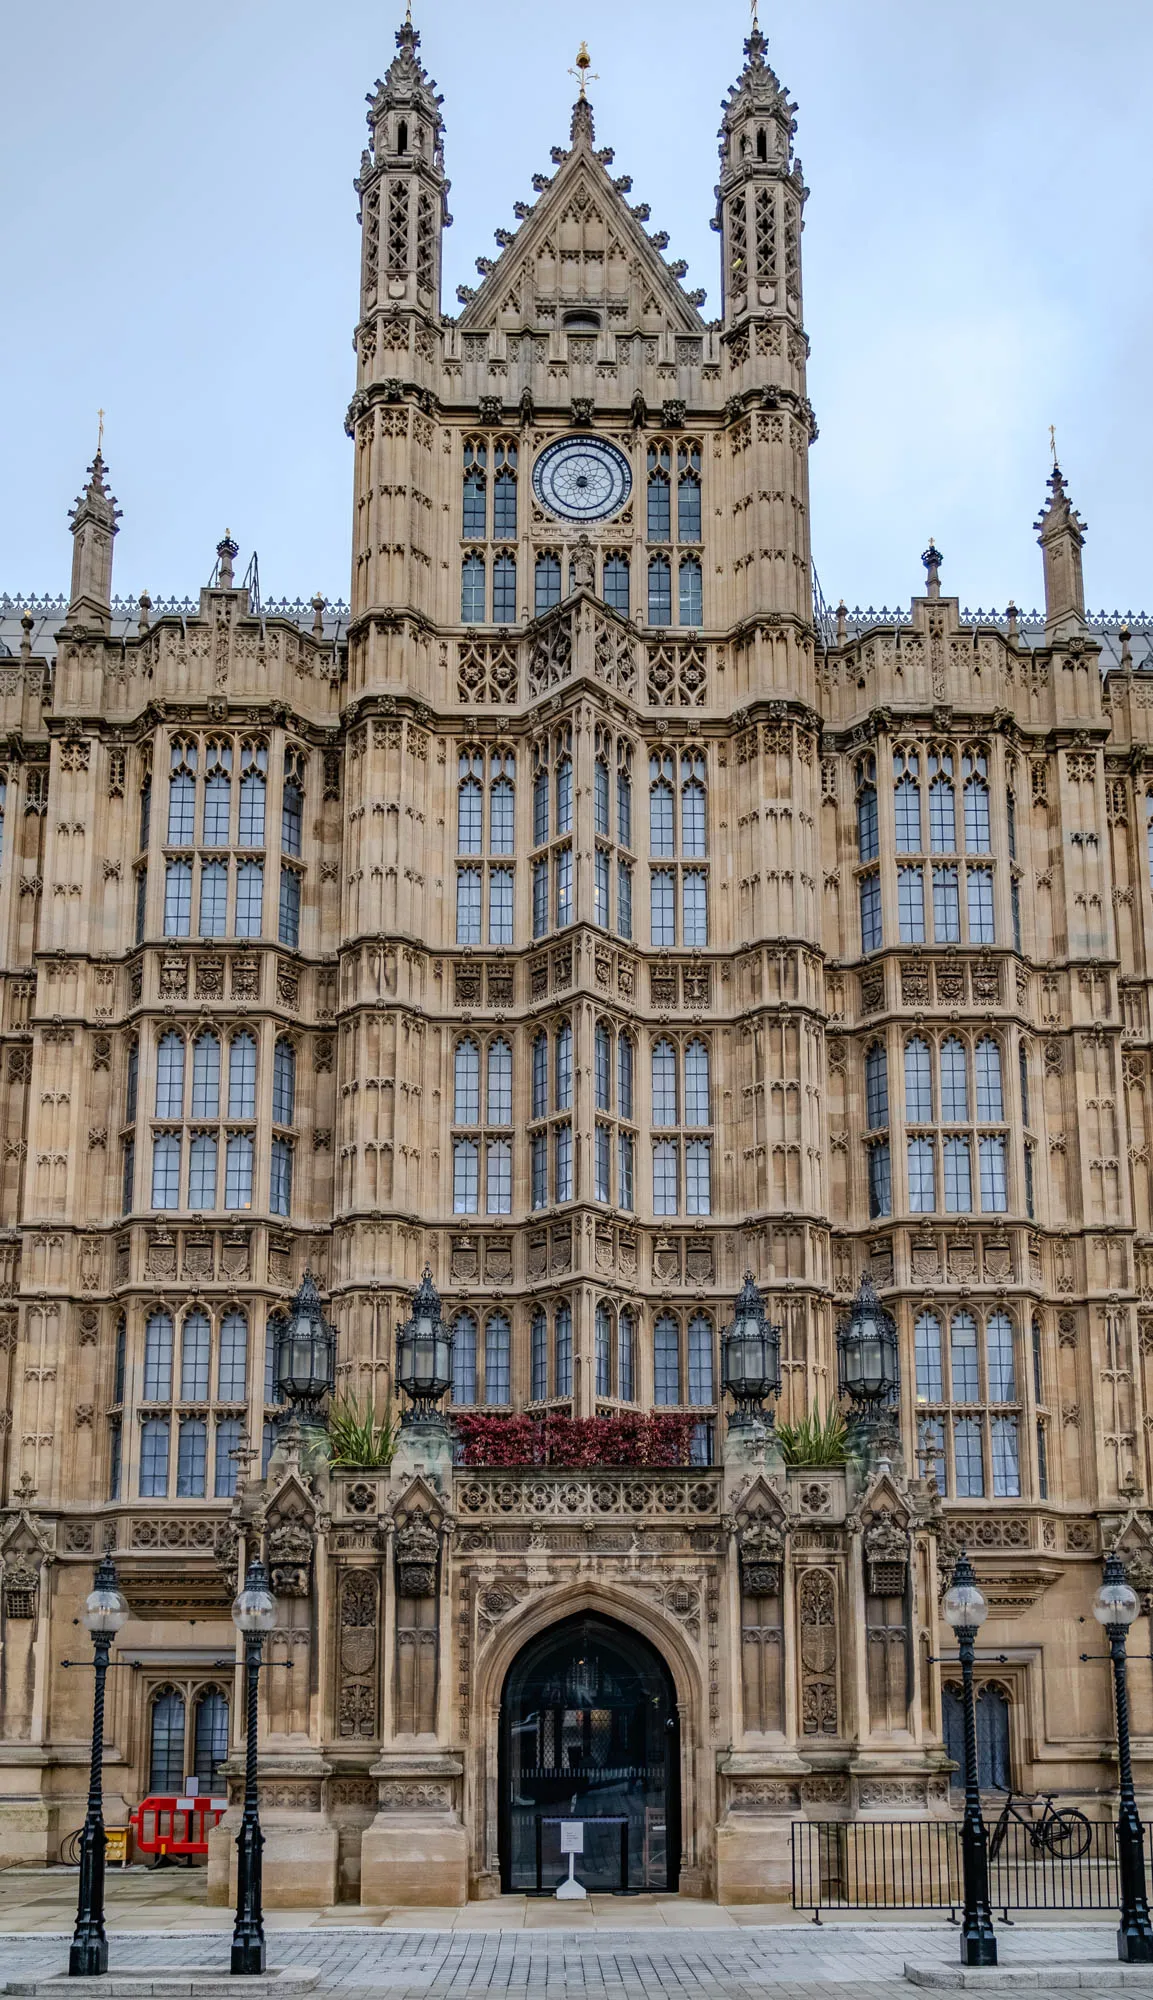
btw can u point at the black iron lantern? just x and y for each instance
(751, 1357)
(868, 1361)
(305, 1353)
(424, 1354)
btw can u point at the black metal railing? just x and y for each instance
(916, 1865)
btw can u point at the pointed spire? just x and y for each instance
(1061, 535)
(759, 177)
(582, 112)
(226, 553)
(94, 521)
(932, 559)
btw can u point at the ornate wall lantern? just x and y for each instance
(305, 1354)
(424, 1355)
(751, 1357)
(868, 1359)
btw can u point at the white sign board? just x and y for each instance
(572, 1836)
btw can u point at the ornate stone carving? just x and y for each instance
(886, 1545)
(417, 1547)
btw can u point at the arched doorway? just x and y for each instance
(589, 1730)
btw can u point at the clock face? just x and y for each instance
(582, 478)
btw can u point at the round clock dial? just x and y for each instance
(582, 478)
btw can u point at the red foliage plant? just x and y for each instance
(574, 1441)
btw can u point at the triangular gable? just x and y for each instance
(581, 244)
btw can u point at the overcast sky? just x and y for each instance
(179, 241)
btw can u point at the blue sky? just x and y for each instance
(178, 229)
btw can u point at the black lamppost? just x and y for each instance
(305, 1364)
(424, 1355)
(105, 1611)
(1115, 1607)
(751, 1359)
(254, 1614)
(868, 1360)
(966, 1611)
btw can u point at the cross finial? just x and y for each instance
(1053, 441)
(584, 69)
(100, 430)
(756, 19)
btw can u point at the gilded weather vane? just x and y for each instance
(584, 69)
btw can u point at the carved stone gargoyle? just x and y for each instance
(417, 1549)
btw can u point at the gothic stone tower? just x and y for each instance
(578, 913)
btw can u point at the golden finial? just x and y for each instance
(584, 69)
(1053, 441)
(100, 430)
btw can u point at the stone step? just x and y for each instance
(1104, 1975)
(161, 1982)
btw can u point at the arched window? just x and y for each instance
(232, 1368)
(694, 825)
(624, 1075)
(499, 1083)
(999, 1358)
(498, 1177)
(603, 1349)
(464, 1358)
(465, 1176)
(202, 1170)
(601, 797)
(210, 1738)
(907, 802)
(195, 1345)
(470, 806)
(170, 1076)
(689, 493)
(662, 838)
(659, 494)
(927, 1355)
(217, 793)
(975, 771)
(192, 1459)
(182, 795)
(472, 590)
(283, 1083)
(292, 803)
(466, 1084)
(249, 898)
(954, 1082)
(615, 586)
(990, 1097)
(963, 1358)
(474, 522)
(602, 1067)
(502, 804)
(942, 806)
(538, 1356)
(146, 805)
(132, 1082)
(564, 1066)
(253, 787)
(697, 1108)
(918, 1082)
(660, 591)
(876, 1086)
(690, 592)
(540, 806)
(503, 493)
(624, 796)
(504, 589)
(994, 1767)
(238, 1171)
(626, 1351)
(700, 1359)
(546, 582)
(166, 1771)
(562, 1351)
(154, 1441)
(158, 1335)
(497, 1359)
(166, 1170)
(664, 1083)
(540, 1074)
(867, 825)
(213, 898)
(564, 794)
(242, 1076)
(177, 899)
(666, 1360)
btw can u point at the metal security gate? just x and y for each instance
(903, 1864)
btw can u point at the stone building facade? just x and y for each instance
(585, 910)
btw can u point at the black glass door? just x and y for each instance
(589, 1732)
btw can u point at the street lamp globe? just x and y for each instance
(254, 1608)
(424, 1354)
(105, 1607)
(1116, 1602)
(963, 1604)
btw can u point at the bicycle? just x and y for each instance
(1062, 1832)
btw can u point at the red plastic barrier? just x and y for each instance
(175, 1825)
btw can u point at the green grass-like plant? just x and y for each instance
(817, 1440)
(361, 1440)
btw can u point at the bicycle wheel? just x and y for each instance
(997, 1839)
(1068, 1835)
(70, 1848)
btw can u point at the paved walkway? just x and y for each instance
(648, 1948)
